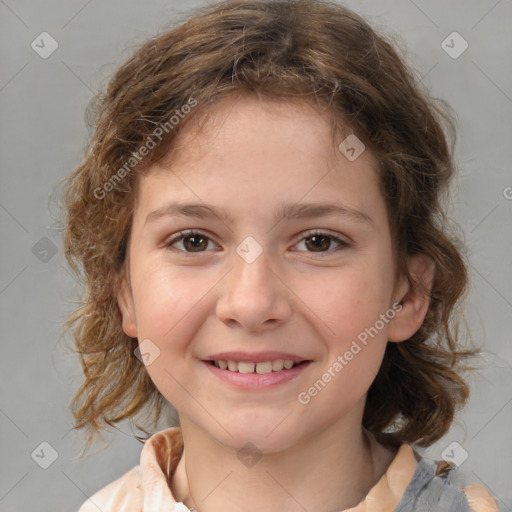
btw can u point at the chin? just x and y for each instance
(267, 435)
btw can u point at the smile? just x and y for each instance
(259, 368)
(256, 376)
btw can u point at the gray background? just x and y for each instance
(43, 132)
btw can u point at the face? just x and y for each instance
(262, 270)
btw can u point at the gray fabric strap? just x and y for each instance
(428, 492)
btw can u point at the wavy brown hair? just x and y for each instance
(278, 49)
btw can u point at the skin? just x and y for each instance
(249, 158)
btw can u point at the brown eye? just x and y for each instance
(191, 242)
(319, 242)
(195, 243)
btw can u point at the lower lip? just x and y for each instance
(256, 380)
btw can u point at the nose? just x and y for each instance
(254, 296)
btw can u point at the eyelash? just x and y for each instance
(343, 244)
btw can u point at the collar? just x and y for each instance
(162, 452)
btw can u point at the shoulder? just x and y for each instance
(479, 498)
(121, 495)
(439, 486)
(145, 485)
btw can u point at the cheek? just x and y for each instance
(164, 297)
(171, 307)
(349, 300)
(170, 310)
(355, 338)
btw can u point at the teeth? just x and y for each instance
(264, 367)
(259, 368)
(277, 365)
(246, 367)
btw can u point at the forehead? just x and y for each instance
(229, 125)
(244, 150)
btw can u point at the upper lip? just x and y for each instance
(257, 357)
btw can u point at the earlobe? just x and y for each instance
(414, 299)
(126, 305)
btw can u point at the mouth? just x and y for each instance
(256, 371)
(260, 368)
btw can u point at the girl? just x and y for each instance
(258, 221)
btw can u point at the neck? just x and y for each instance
(331, 471)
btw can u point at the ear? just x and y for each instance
(413, 298)
(126, 304)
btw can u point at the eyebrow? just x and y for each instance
(287, 211)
